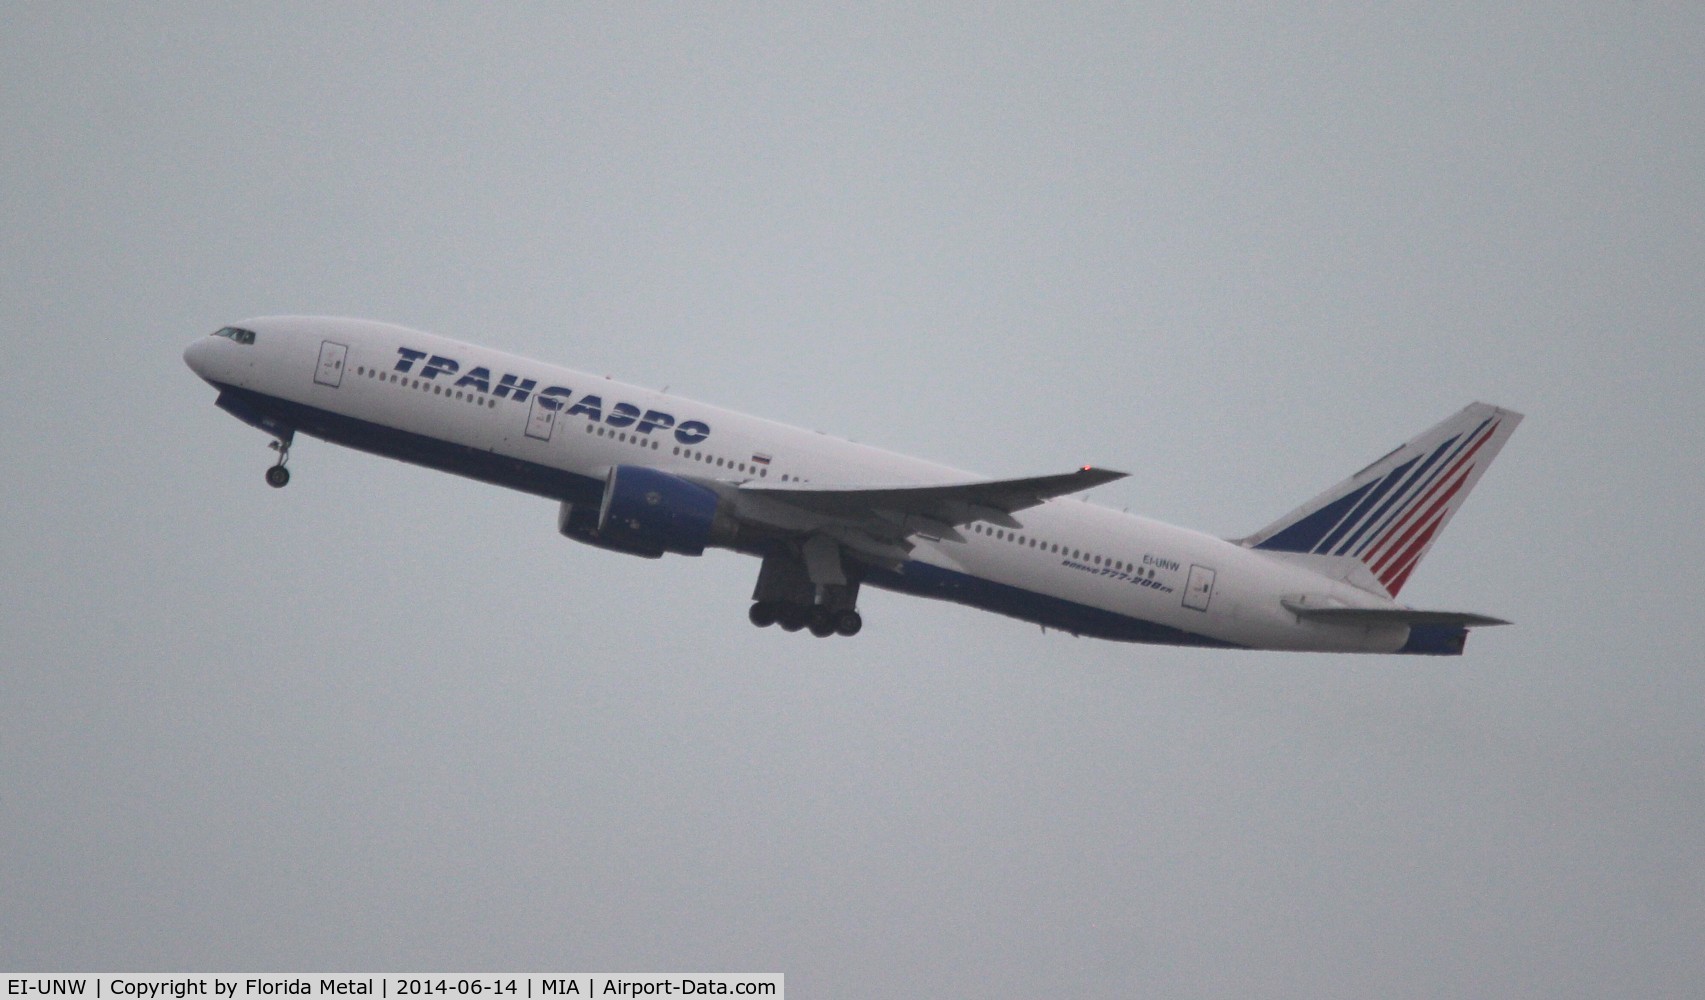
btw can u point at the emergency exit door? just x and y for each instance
(1200, 588)
(542, 417)
(330, 371)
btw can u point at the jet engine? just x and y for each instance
(645, 512)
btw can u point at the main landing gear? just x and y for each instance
(806, 587)
(278, 476)
(819, 618)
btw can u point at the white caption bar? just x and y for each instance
(433, 986)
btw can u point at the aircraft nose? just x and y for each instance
(198, 356)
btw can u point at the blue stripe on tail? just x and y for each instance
(1304, 535)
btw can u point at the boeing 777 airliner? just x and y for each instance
(646, 473)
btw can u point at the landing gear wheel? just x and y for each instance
(277, 477)
(822, 622)
(763, 614)
(791, 618)
(848, 623)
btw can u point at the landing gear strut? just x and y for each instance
(278, 476)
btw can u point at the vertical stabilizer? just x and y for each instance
(1374, 528)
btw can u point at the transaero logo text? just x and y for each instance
(551, 397)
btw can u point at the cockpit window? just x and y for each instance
(239, 335)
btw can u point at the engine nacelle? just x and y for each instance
(645, 512)
(581, 524)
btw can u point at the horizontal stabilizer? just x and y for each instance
(1388, 616)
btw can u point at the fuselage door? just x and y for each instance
(1200, 588)
(330, 371)
(541, 417)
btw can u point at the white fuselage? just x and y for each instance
(557, 432)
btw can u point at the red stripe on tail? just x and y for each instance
(1394, 578)
(1373, 550)
(1437, 506)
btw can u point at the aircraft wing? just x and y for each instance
(876, 521)
(991, 500)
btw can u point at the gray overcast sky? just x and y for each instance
(385, 719)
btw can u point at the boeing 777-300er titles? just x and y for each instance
(646, 473)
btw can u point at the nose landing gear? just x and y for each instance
(278, 476)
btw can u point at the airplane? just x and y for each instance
(645, 473)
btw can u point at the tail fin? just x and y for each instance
(1373, 529)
